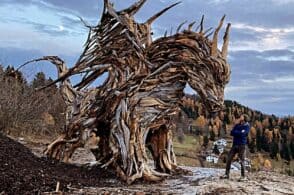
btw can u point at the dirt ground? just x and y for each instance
(24, 173)
(23, 170)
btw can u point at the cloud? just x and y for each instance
(262, 29)
(33, 28)
(215, 2)
(90, 8)
(263, 80)
(261, 63)
(233, 89)
(282, 2)
(23, 2)
(52, 30)
(46, 45)
(261, 38)
(280, 80)
(270, 98)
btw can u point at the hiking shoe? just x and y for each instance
(242, 179)
(225, 176)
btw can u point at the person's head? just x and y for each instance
(244, 118)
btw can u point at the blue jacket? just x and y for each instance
(240, 136)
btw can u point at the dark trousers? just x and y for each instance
(240, 150)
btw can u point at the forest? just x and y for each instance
(268, 133)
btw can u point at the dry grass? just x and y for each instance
(187, 151)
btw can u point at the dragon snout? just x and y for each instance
(217, 107)
(215, 103)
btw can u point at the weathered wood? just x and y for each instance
(133, 109)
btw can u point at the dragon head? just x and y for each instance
(209, 71)
(206, 68)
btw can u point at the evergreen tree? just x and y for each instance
(258, 139)
(252, 145)
(1, 70)
(205, 141)
(274, 149)
(292, 148)
(39, 80)
(265, 144)
(212, 135)
(285, 152)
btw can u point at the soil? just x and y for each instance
(24, 173)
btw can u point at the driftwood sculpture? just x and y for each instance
(131, 111)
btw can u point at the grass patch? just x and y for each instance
(187, 151)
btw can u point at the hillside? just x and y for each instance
(270, 136)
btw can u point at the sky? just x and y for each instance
(261, 50)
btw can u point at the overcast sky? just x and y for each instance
(261, 48)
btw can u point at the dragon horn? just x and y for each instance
(148, 23)
(153, 18)
(133, 9)
(226, 41)
(215, 37)
(201, 25)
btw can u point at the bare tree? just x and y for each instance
(21, 107)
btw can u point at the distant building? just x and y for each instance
(220, 145)
(212, 158)
(218, 149)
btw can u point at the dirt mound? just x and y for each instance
(24, 173)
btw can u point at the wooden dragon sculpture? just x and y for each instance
(132, 109)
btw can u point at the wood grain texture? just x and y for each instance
(132, 111)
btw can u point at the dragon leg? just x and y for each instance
(160, 145)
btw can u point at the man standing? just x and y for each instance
(239, 133)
